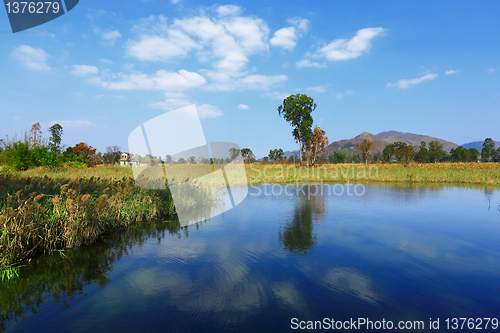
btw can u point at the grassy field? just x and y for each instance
(456, 173)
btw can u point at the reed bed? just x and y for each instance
(41, 214)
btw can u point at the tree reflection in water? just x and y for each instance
(297, 236)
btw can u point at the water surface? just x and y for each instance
(393, 253)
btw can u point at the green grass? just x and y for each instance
(452, 173)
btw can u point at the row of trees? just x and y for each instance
(33, 150)
(433, 152)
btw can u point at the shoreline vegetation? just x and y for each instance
(40, 214)
(44, 210)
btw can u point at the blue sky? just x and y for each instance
(426, 67)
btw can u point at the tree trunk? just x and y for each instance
(300, 148)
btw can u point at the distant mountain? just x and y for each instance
(478, 145)
(290, 153)
(384, 138)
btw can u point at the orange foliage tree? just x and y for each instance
(364, 149)
(317, 145)
(86, 154)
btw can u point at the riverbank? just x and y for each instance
(41, 214)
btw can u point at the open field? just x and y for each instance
(456, 173)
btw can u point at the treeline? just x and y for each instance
(33, 150)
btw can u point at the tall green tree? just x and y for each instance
(56, 132)
(276, 155)
(472, 155)
(337, 157)
(488, 152)
(423, 154)
(296, 110)
(436, 151)
(247, 155)
(404, 152)
(459, 154)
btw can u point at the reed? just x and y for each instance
(42, 214)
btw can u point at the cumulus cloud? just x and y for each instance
(308, 63)
(226, 41)
(318, 89)
(229, 10)
(243, 107)
(403, 84)
(156, 48)
(34, 59)
(83, 70)
(452, 71)
(286, 37)
(342, 49)
(161, 80)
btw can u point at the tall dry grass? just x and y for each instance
(41, 214)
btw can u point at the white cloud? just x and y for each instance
(342, 49)
(403, 84)
(174, 2)
(73, 123)
(228, 10)
(341, 95)
(250, 82)
(308, 63)
(155, 48)
(318, 89)
(452, 71)
(226, 42)
(491, 70)
(161, 80)
(243, 107)
(286, 37)
(300, 23)
(34, 59)
(111, 36)
(178, 100)
(208, 111)
(82, 70)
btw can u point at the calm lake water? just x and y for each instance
(399, 253)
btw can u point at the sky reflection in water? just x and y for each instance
(399, 253)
